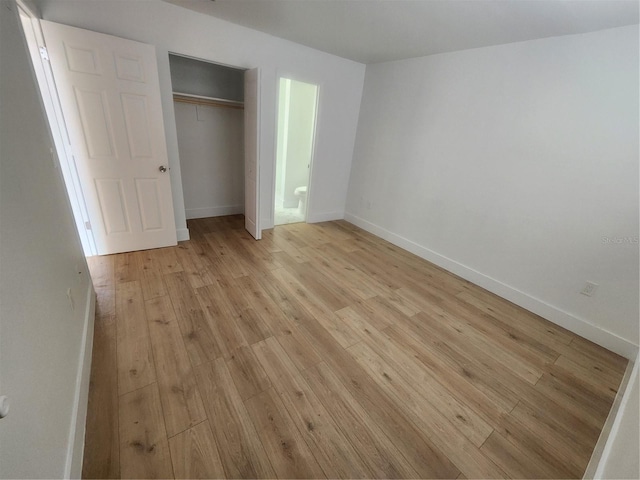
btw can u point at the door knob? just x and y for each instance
(162, 168)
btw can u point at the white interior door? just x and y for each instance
(251, 145)
(110, 97)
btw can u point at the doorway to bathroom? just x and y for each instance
(297, 108)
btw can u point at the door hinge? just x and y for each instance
(44, 54)
(87, 225)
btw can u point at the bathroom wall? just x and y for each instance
(299, 139)
(516, 167)
(302, 107)
(211, 146)
(282, 136)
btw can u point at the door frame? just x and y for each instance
(291, 76)
(259, 165)
(61, 152)
(258, 108)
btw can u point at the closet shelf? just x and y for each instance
(209, 101)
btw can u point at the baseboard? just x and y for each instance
(324, 217)
(556, 315)
(182, 234)
(611, 426)
(75, 452)
(207, 212)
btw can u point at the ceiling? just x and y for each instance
(372, 31)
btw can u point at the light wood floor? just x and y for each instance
(323, 351)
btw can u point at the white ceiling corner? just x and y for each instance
(372, 31)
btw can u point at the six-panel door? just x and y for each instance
(110, 97)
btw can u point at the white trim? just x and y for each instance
(267, 221)
(308, 207)
(617, 423)
(611, 426)
(29, 8)
(324, 217)
(204, 97)
(75, 448)
(258, 149)
(259, 159)
(182, 234)
(579, 326)
(58, 131)
(205, 212)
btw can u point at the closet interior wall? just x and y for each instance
(208, 105)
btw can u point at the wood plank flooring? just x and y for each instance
(324, 351)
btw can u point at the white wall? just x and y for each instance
(174, 29)
(211, 146)
(300, 126)
(620, 457)
(282, 134)
(207, 79)
(511, 166)
(44, 360)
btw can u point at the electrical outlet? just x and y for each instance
(589, 289)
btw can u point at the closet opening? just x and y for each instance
(297, 107)
(209, 113)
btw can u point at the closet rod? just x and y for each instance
(209, 101)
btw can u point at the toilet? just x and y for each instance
(301, 193)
